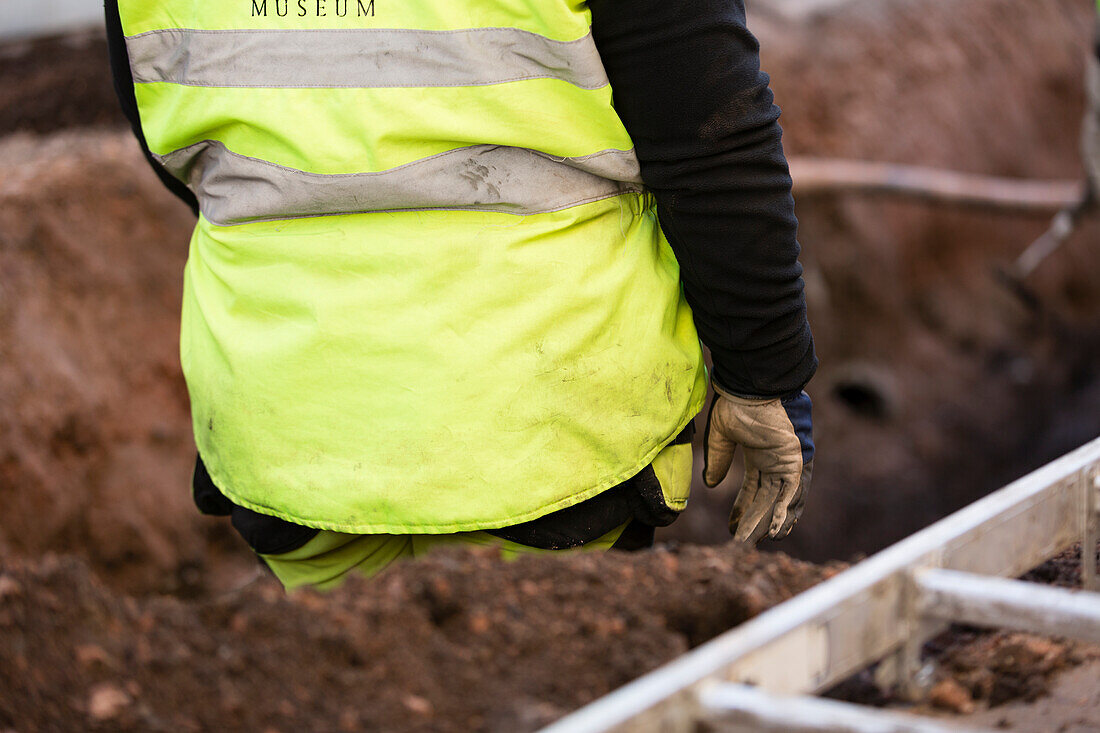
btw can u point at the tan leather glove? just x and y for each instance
(776, 436)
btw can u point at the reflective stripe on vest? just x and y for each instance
(235, 189)
(427, 292)
(367, 58)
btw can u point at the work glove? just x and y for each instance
(776, 436)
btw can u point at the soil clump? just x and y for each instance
(458, 641)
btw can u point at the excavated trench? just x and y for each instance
(937, 385)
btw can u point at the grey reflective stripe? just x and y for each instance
(361, 58)
(236, 189)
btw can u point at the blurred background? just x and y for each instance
(937, 383)
(31, 18)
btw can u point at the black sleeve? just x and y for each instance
(687, 84)
(124, 88)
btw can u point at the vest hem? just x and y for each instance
(694, 409)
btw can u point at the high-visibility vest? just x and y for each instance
(427, 291)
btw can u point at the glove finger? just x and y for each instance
(790, 485)
(754, 523)
(782, 525)
(718, 448)
(750, 486)
(755, 527)
(761, 530)
(794, 512)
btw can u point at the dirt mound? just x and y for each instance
(95, 441)
(56, 83)
(985, 86)
(456, 642)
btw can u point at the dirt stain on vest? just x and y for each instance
(478, 177)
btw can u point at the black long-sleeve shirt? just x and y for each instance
(688, 87)
(687, 84)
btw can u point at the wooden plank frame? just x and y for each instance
(872, 611)
(734, 708)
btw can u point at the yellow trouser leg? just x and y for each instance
(328, 559)
(425, 543)
(325, 561)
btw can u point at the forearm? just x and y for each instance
(689, 89)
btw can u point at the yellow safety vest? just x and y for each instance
(427, 291)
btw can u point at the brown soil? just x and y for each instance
(1072, 705)
(1063, 570)
(56, 83)
(455, 642)
(95, 441)
(992, 669)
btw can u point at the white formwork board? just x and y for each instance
(741, 709)
(995, 602)
(865, 613)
